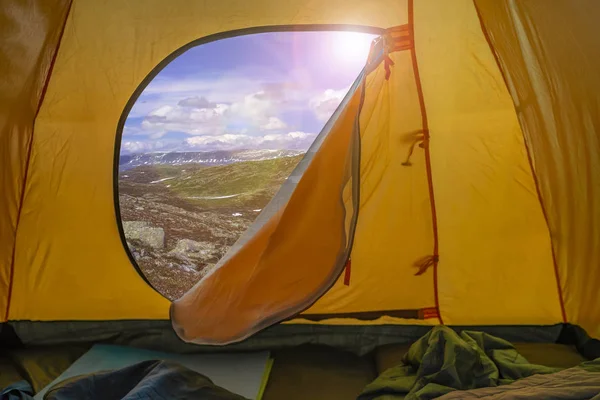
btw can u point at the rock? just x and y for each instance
(188, 268)
(187, 249)
(145, 233)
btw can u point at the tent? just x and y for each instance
(458, 183)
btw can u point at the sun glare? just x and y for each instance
(351, 47)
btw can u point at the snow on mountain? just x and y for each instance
(128, 161)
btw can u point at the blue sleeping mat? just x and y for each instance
(244, 374)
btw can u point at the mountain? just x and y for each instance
(209, 158)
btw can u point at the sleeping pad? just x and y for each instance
(443, 361)
(145, 380)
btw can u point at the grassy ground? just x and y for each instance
(251, 184)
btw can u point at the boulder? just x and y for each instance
(144, 232)
(187, 249)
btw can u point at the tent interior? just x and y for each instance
(452, 197)
(298, 372)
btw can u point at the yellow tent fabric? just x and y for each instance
(253, 278)
(552, 76)
(30, 38)
(470, 150)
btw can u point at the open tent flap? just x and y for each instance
(366, 159)
(295, 256)
(394, 227)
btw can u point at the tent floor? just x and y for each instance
(314, 372)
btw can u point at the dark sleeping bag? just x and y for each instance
(146, 380)
(21, 390)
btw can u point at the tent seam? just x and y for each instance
(425, 127)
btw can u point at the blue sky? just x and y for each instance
(269, 90)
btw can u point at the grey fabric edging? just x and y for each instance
(159, 335)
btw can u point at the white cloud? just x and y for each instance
(222, 141)
(197, 115)
(325, 104)
(168, 90)
(161, 112)
(254, 109)
(274, 123)
(223, 113)
(129, 130)
(196, 102)
(290, 141)
(138, 146)
(157, 135)
(134, 147)
(193, 121)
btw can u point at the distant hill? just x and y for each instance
(250, 184)
(239, 185)
(129, 161)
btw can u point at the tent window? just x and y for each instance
(212, 137)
